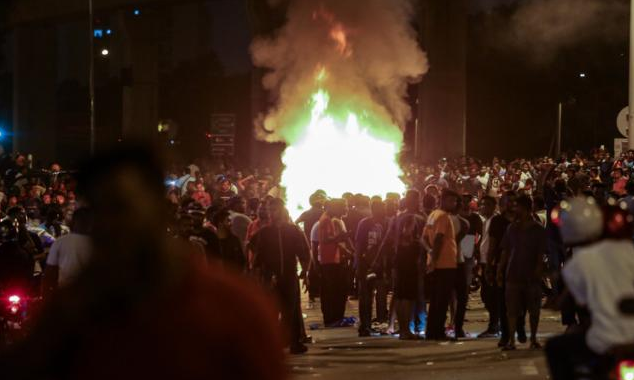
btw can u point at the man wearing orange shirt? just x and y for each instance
(442, 263)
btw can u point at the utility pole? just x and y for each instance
(91, 75)
(630, 116)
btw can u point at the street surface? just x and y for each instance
(338, 353)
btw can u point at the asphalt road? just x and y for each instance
(338, 353)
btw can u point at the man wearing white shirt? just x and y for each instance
(487, 292)
(599, 277)
(70, 253)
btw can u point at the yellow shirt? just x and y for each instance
(439, 222)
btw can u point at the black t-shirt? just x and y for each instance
(475, 224)
(497, 229)
(353, 219)
(526, 246)
(278, 248)
(210, 242)
(309, 218)
(231, 251)
(224, 195)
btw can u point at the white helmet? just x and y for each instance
(580, 220)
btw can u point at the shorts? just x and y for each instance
(522, 297)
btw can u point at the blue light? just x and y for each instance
(98, 33)
(108, 31)
(137, 12)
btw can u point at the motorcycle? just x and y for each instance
(618, 364)
(15, 306)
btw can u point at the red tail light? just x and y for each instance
(626, 370)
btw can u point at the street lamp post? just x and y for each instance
(91, 76)
(630, 116)
(558, 137)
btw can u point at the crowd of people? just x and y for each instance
(411, 259)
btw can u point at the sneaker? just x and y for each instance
(488, 334)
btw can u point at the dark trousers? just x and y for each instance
(568, 310)
(366, 294)
(289, 296)
(313, 275)
(419, 320)
(441, 283)
(333, 292)
(462, 295)
(504, 321)
(489, 295)
(564, 352)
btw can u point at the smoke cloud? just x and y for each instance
(369, 52)
(546, 26)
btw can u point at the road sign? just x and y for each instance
(622, 122)
(223, 124)
(223, 131)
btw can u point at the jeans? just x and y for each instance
(367, 289)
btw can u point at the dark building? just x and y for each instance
(441, 117)
(154, 61)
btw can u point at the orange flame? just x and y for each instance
(338, 32)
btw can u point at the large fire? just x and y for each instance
(338, 153)
(339, 74)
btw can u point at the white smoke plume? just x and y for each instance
(367, 47)
(546, 26)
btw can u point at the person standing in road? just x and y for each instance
(412, 213)
(277, 248)
(461, 287)
(442, 262)
(369, 270)
(497, 229)
(333, 248)
(70, 253)
(308, 219)
(521, 268)
(488, 205)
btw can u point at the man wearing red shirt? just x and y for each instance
(332, 248)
